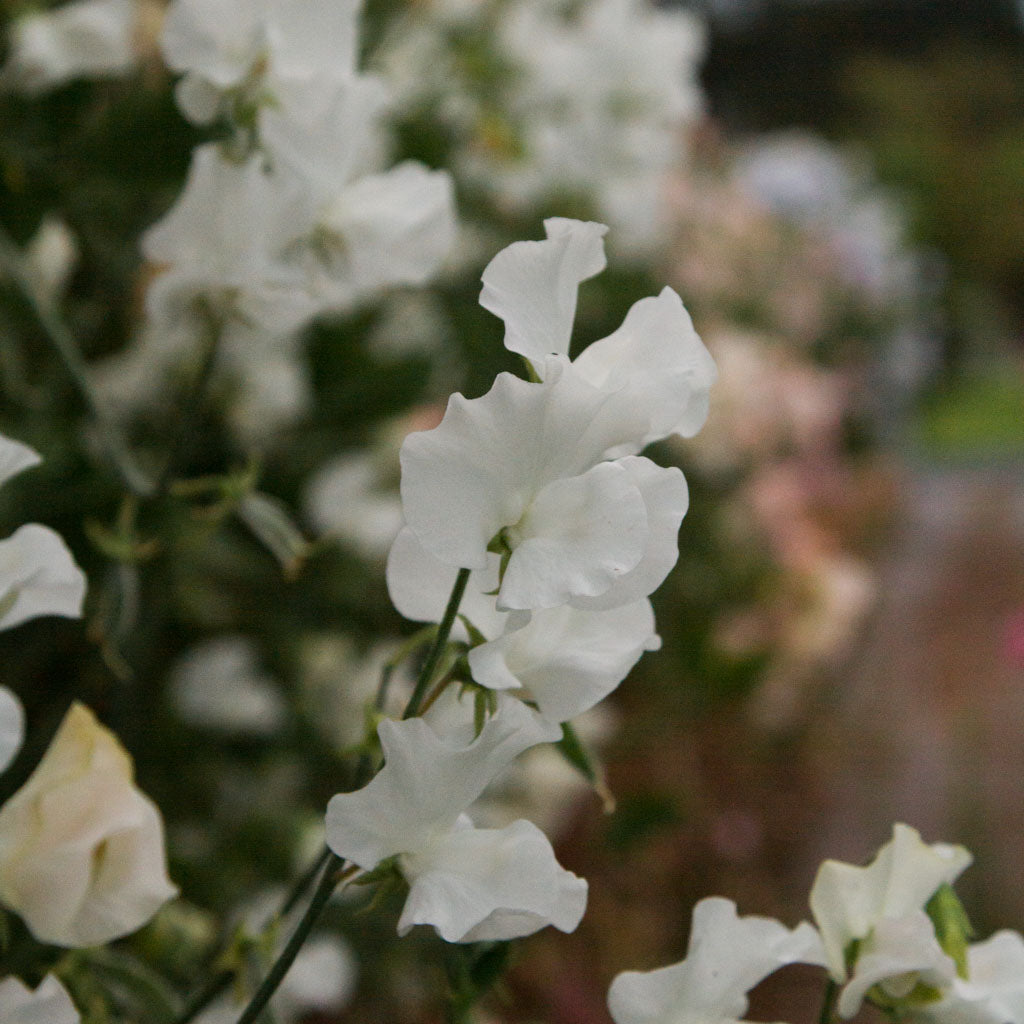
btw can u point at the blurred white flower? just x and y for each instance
(38, 574)
(50, 257)
(253, 46)
(471, 884)
(339, 683)
(12, 727)
(603, 97)
(48, 1004)
(219, 685)
(727, 956)
(81, 848)
(81, 39)
(881, 908)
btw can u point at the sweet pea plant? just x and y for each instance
(533, 531)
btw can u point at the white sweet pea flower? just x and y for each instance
(654, 361)
(251, 46)
(565, 659)
(727, 956)
(898, 954)
(470, 884)
(12, 727)
(880, 907)
(223, 243)
(525, 464)
(82, 39)
(533, 286)
(81, 848)
(220, 685)
(371, 230)
(992, 992)
(603, 94)
(38, 574)
(48, 1004)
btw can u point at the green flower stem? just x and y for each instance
(221, 981)
(828, 1006)
(443, 631)
(325, 888)
(67, 349)
(185, 435)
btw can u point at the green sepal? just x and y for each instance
(271, 523)
(384, 873)
(575, 752)
(476, 638)
(952, 926)
(572, 749)
(485, 703)
(920, 995)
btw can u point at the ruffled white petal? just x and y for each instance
(485, 884)
(577, 538)
(48, 1004)
(993, 992)
(479, 470)
(38, 576)
(14, 457)
(393, 228)
(666, 499)
(566, 659)
(533, 286)
(899, 953)
(848, 901)
(655, 358)
(727, 956)
(307, 39)
(12, 726)
(425, 784)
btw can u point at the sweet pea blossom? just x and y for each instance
(565, 659)
(655, 360)
(12, 727)
(38, 575)
(881, 908)
(598, 103)
(727, 956)
(471, 884)
(81, 848)
(526, 464)
(82, 39)
(992, 992)
(251, 46)
(48, 1004)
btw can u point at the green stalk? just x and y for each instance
(67, 349)
(324, 890)
(443, 632)
(828, 1006)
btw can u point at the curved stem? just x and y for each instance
(221, 981)
(828, 1006)
(443, 631)
(328, 882)
(67, 348)
(186, 432)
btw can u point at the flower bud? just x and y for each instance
(81, 848)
